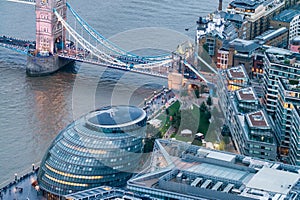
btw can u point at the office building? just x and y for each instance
(106, 193)
(237, 52)
(187, 172)
(275, 38)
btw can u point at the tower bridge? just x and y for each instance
(58, 43)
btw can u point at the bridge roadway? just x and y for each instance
(26, 46)
(31, 2)
(156, 72)
(159, 67)
(18, 45)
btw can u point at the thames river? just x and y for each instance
(34, 109)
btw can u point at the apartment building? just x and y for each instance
(278, 63)
(251, 128)
(287, 132)
(258, 13)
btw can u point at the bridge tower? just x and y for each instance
(49, 32)
(50, 38)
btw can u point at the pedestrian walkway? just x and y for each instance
(157, 102)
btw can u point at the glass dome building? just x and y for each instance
(101, 148)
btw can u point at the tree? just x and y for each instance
(205, 47)
(222, 146)
(152, 134)
(207, 114)
(225, 131)
(176, 120)
(167, 111)
(197, 92)
(203, 107)
(202, 89)
(197, 142)
(209, 101)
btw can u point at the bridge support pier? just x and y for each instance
(175, 81)
(42, 66)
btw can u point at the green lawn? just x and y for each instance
(190, 119)
(165, 119)
(184, 138)
(215, 128)
(174, 108)
(193, 120)
(203, 122)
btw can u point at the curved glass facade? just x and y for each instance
(101, 148)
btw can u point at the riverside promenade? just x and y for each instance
(22, 188)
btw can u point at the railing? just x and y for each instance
(115, 66)
(23, 174)
(18, 49)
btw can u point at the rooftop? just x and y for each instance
(104, 193)
(296, 38)
(221, 156)
(271, 34)
(287, 15)
(246, 94)
(218, 171)
(199, 172)
(281, 183)
(24, 188)
(251, 7)
(115, 116)
(291, 85)
(237, 72)
(191, 172)
(245, 4)
(218, 24)
(283, 56)
(240, 45)
(257, 119)
(234, 17)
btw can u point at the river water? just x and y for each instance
(34, 110)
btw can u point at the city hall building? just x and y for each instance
(101, 148)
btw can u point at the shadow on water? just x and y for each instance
(71, 68)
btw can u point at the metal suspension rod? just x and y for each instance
(103, 56)
(109, 45)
